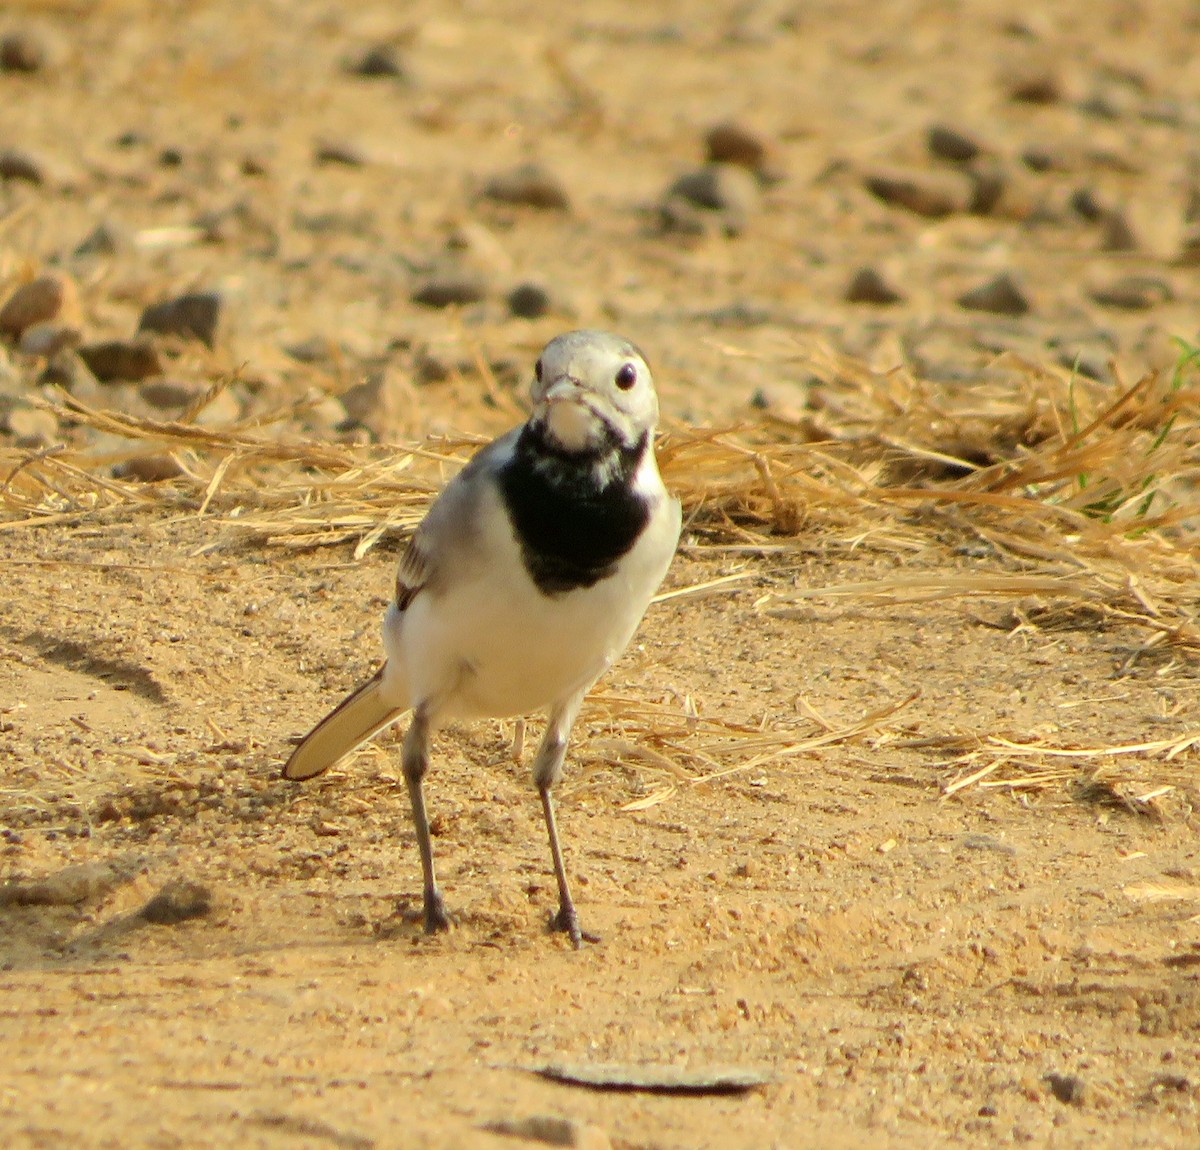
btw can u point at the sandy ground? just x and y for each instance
(907, 967)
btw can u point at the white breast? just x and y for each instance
(492, 644)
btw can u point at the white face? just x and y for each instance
(590, 387)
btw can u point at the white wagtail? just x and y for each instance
(524, 582)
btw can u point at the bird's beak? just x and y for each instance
(567, 389)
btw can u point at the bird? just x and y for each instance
(522, 585)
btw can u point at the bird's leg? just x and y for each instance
(415, 759)
(547, 769)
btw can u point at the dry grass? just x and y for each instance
(1072, 500)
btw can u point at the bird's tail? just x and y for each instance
(350, 724)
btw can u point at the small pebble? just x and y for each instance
(378, 62)
(315, 349)
(22, 51)
(1189, 249)
(192, 316)
(1134, 293)
(730, 142)
(254, 165)
(1039, 159)
(170, 394)
(103, 240)
(947, 143)
(1116, 233)
(149, 468)
(178, 901)
(716, 196)
(1000, 296)
(868, 286)
(341, 153)
(451, 287)
(1034, 85)
(997, 190)
(1069, 1089)
(19, 165)
(433, 366)
(47, 339)
(529, 300)
(120, 359)
(1087, 205)
(45, 299)
(933, 194)
(529, 185)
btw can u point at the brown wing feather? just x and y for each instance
(412, 573)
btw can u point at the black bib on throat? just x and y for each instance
(575, 514)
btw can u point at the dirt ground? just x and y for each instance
(908, 962)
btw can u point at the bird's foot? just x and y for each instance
(436, 918)
(567, 920)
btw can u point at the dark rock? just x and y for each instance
(1039, 159)
(1107, 103)
(254, 165)
(730, 142)
(1034, 85)
(1116, 233)
(868, 286)
(157, 468)
(933, 194)
(195, 315)
(1087, 205)
(19, 165)
(378, 62)
(171, 157)
(178, 901)
(1000, 296)
(999, 191)
(103, 240)
(170, 394)
(948, 143)
(716, 196)
(433, 366)
(529, 185)
(120, 359)
(22, 51)
(1189, 249)
(452, 286)
(47, 298)
(341, 153)
(1069, 1089)
(1134, 293)
(529, 300)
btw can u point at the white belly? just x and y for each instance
(492, 644)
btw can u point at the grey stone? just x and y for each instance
(195, 315)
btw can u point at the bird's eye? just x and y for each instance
(537, 371)
(626, 377)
